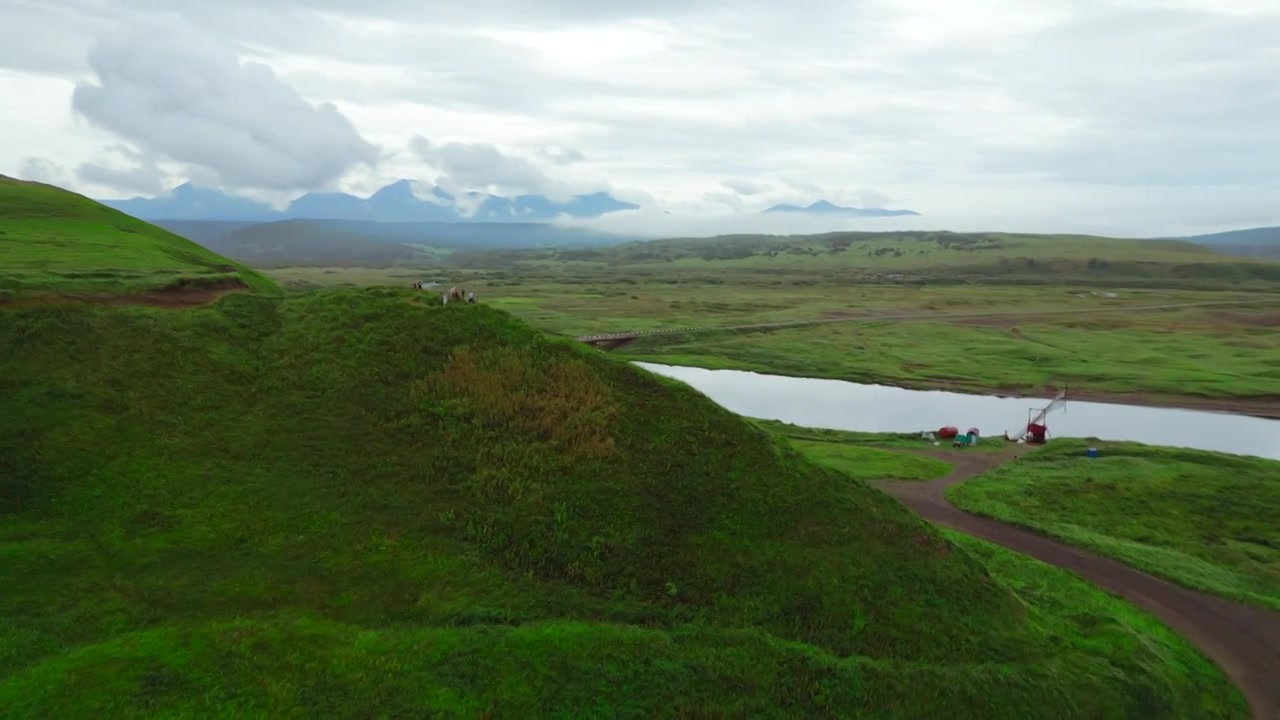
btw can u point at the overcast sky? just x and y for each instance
(1134, 117)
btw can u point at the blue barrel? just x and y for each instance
(1091, 452)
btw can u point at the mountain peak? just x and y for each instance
(824, 207)
(404, 200)
(398, 190)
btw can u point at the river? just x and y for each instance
(842, 405)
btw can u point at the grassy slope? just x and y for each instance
(55, 242)
(1205, 520)
(317, 489)
(352, 501)
(870, 463)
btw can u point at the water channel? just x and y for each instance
(841, 405)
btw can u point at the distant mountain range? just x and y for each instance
(362, 243)
(1253, 242)
(822, 207)
(401, 201)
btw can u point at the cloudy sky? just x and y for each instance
(1117, 116)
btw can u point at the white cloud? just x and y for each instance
(562, 155)
(43, 170)
(481, 166)
(1133, 115)
(139, 172)
(746, 187)
(179, 94)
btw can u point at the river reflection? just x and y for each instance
(841, 405)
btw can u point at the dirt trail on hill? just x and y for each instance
(165, 298)
(1244, 641)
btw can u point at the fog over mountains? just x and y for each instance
(412, 201)
(401, 201)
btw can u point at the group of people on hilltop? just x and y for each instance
(453, 293)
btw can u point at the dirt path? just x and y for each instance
(1244, 641)
(165, 298)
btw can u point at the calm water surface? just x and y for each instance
(841, 405)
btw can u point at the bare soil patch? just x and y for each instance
(171, 298)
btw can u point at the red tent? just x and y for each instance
(1036, 433)
(948, 432)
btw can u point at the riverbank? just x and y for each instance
(841, 405)
(1259, 406)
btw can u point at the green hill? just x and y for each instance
(55, 242)
(355, 503)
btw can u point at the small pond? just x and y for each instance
(841, 405)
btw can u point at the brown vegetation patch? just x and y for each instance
(560, 400)
(611, 343)
(1267, 320)
(171, 298)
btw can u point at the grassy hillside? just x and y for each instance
(1205, 520)
(57, 242)
(361, 484)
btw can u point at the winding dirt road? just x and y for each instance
(1244, 641)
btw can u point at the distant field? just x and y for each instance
(916, 256)
(1214, 353)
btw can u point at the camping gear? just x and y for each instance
(1036, 430)
(964, 440)
(1091, 452)
(948, 432)
(1036, 433)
